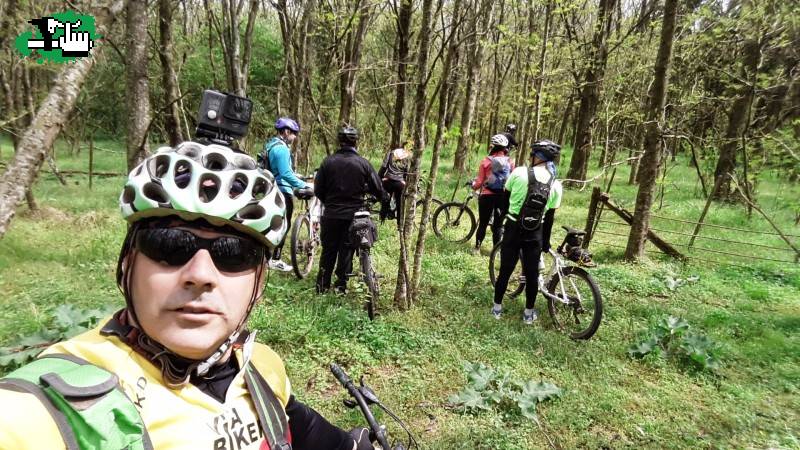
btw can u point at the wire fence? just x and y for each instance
(733, 245)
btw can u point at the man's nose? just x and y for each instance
(199, 273)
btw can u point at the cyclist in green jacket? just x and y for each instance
(535, 195)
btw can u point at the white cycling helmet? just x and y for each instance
(499, 140)
(211, 182)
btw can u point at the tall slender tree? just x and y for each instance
(651, 160)
(137, 91)
(590, 90)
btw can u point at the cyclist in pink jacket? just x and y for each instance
(493, 172)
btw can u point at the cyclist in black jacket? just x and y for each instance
(342, 181)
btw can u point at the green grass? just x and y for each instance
(66, 254)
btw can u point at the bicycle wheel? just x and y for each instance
(435, 204)
(516, 284)
(454, 222)
(303, 247)
(371, 280)
(581, 314)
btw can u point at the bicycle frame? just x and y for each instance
(558, 266)
(465, 204)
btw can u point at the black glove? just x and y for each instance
(362, 439)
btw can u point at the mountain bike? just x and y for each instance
(305, 233)
(573, 297)
(362, 234)
(363, 397)
(455, 221)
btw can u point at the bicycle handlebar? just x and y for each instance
(345, 380)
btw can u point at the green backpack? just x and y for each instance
(85, 401)
(92, 412)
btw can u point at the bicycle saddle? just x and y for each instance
(573, 231)
(303, 193)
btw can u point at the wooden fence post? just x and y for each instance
(626, 215)
(591, 216)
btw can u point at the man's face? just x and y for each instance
(193, 308)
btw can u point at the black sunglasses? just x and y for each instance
(176, 247)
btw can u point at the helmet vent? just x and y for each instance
(251, 212)
(244, 162)
(188, 150)
(156, 193)
(183, 173)
(159, 166)
(128, 194)
(215, 161)
(279, 202)
(238, 185)
(260, 188)
(208, 187)
(276, 223)
(139, 170)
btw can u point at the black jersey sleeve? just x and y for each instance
(310, 431)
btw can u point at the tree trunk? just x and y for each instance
(737, 121)
(540, 76)
(53, 112)
(352, 59)
(137, 89)
(289, 68)
(237, 60)
(169, 79)
(444, 94)
(403, 291)
(403, 37)
(471, 95)
(652, 144)
(562, 130)
(590, 92)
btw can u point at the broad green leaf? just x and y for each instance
(38, 338)
(539, 391)
(67, 316)
(17, 359)
(527, 406)
(643, 348)
(469, 398)
(480, 376)
(675, 325)
(494, 396)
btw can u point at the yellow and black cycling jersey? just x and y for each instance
(184, 418)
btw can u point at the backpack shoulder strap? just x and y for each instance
(270, 411)
(84, 400)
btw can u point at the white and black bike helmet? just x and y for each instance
(499, 140)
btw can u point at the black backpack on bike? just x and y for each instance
(362, 231)
(531, 214)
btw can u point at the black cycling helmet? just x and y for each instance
(511, 128)
(546, 150)
(347, 135)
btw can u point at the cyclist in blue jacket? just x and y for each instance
(277, 158)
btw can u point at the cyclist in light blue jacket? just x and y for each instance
(277, 158)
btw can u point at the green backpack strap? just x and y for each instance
(270, 411)
(85, 401)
